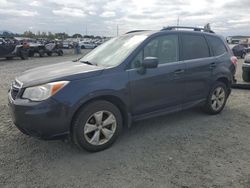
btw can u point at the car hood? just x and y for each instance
(57, 72)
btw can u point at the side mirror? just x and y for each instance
(150, 62)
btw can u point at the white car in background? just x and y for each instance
(87, 45)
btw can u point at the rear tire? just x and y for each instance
(24, 54)
(96, 126)
(246, 76)
(49, 53)
(60, 53)
(31, 53)
(41, 53)
(216, 99)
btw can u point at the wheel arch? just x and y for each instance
(224, 80)
(112, 99)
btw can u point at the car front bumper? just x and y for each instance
(45, 120)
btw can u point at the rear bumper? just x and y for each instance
(45, 120)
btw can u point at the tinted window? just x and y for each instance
(165, 48)
(194, 47)
(217, 45)
(137, 61)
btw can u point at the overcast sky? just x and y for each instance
(101, 17)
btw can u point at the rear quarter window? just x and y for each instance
(217, 45)
(194, 47)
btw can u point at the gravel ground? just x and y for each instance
(186, 149)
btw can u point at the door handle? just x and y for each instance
(179, 71)
(212, 65)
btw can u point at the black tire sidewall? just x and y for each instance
(24, 54)
(41, 53)
(81, 118)
(208, 106)
(60, 53)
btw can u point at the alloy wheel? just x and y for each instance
(218, 98)
(100, 127)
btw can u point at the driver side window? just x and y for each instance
(165, 48)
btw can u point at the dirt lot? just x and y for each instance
(187, 149)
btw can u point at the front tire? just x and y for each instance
(216, 99)
(96, 126)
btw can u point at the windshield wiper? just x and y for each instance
(87, 62)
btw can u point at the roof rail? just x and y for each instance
(183, 27)
(135, 31)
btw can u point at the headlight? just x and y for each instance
(43, 92)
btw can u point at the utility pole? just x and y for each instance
(86, 29)
(178, 21)
(117, 30)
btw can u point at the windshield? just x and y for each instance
(114, 51)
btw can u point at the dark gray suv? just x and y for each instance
(138, 75)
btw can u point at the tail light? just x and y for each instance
(234, 60)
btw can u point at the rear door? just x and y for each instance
(196, 55)
(157, 88)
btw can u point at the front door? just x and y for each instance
(161, 87)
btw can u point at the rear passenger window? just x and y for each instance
(194, 47)
(217, 45)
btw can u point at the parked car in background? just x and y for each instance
(53, 48)
(43, 49)
(36, 48)
(128, 78)
(10, 50)
(67, 44)
(1, 41)
(246, 69)
(87, 45)
(241, 50)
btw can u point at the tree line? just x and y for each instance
(49, 35)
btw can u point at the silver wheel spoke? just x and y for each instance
(109, 120)
(221, 95)
(98, 117)
(97, 131)
(107, 133)
(214, 104)
(89, 128)
(218, 90)
(96, 138)
(213, 97)
(220, 103)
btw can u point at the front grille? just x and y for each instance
(15, 88)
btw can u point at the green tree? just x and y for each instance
(77, 35)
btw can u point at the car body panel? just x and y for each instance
(61, 71)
